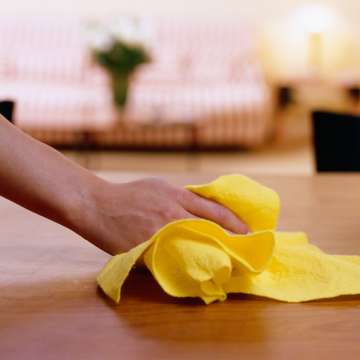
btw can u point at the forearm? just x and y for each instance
(41, 179)
(114, 217)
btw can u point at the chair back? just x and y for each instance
(336, 139)
(7, 109)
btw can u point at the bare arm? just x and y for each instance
(114, 217)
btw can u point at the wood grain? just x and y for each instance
(50, 307)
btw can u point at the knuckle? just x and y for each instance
(184, 196)
(167, 214)
(172, 213)
(164, 213)
(222, 214)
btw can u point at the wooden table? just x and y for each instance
(50, 307)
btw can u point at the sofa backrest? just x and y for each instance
(54, 49)
(198, 68)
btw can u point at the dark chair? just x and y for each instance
(7, 109)
(336, 139)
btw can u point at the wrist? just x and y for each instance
(80, 210)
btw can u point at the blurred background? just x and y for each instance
(200, 85)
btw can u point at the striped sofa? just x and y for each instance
(204, 87)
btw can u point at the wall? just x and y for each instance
(258, 10)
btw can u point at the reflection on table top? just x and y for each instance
(50, 307)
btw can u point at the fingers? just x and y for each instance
(213, 211)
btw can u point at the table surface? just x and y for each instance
(51, 308)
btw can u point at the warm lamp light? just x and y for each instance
(314, 18)
(315, 21)
(311, 43)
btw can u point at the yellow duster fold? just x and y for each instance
(197, 258)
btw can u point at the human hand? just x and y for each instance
(118, 217)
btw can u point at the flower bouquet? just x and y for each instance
(120, 47)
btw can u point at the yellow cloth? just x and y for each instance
(197, 258)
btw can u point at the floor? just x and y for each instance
(289, 153)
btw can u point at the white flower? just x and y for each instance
(99, 38)
(125, 29)
(130, 30)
